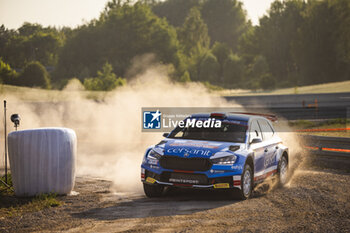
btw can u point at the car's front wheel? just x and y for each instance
(246, 183)
(154, 190)
(283, 171)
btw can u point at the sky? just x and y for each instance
(13, 13)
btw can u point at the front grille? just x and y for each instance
(184, 178)
(185, 164)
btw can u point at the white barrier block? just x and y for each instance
(42, 160)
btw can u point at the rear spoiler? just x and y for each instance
(271, 117)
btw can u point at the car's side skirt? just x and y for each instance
(266, 173)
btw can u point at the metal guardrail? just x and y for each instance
(328, 146)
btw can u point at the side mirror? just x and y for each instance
(165, 135)
(256, 140)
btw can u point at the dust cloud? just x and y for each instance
(110, 142)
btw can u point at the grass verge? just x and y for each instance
(10, 205)
(312, 89)
(327, 124)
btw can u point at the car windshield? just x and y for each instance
(228, 132)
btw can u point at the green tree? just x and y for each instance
(28, 29)
(208, 69)
(193, 35)
(276, 35)
(226, 21)
(341, 9)
(5, 36)
(303, 42)
(233, 71)
(185, 77)
(32, 42)
(34, 75)
(321, 48)
(267, 82)
(255, 71)
(248, 46)
(221, 51)
(121, 33)
(7, 75)
(175, 11)
(106, 80)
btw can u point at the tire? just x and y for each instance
(154, 190)
(283, 171)
(246, 184)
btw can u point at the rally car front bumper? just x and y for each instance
(187, 179)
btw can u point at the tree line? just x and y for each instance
(297, 42)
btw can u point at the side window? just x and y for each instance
(179, 134)
(266, 129)
(272, 130)
(255, 131)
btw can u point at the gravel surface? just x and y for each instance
(315, 200)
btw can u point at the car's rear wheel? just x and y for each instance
(246, 184)
(154, 190)
(283, 171)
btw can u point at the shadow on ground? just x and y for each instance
(175, 202)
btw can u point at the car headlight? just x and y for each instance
(153, 155)
(227, 160)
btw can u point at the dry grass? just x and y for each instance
(319, 88)
(37, 94)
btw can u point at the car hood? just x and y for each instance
(193, 148)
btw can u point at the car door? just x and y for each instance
(257, 148)
(269, 145)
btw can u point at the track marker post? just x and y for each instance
(5, 139)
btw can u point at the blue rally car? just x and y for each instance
(216, 151)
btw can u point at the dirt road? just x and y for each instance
(316, 200)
